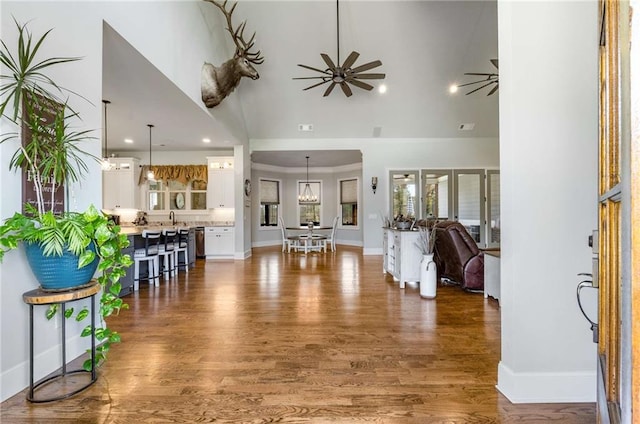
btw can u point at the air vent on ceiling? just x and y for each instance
(305, 127)
(466, 127)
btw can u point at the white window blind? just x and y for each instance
(349, 191)
(269, 192)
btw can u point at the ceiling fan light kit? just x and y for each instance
(343, 75)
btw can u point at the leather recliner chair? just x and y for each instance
(457, 256)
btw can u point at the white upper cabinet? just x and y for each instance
(120, 184)
(221, 182)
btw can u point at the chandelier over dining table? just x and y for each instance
(307, 195)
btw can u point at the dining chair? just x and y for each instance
(287, 242)
(331, 239)
(148, 254)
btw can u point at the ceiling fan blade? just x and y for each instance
(369, 76)
(328, 60)
(366, 66)
(494, 62)
(480, 88)
(351, 59)
(329, 89)
(493, 90)
(345, 88)
(315, 85)
(478, 73)
(475, 82)
(315, 69)
(360, 84)
(308, 77)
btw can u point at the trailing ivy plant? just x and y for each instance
(52, 157)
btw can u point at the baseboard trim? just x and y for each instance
(241, 256)
(16, 379)
(267, 243)
(551, 387)
(372, 251)
(355, 243)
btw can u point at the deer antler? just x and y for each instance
(242, 47)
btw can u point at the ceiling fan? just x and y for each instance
(491, 78)
(345, 74)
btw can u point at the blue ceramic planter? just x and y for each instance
(59, 272)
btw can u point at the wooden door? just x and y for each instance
(619, 216)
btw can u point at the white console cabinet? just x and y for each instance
(401, 255)
(492, 274)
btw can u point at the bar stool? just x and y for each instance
(147, 254)
(168, 253)
(181, 246)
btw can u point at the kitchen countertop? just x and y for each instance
(153, 226)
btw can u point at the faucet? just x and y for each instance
(172, 217)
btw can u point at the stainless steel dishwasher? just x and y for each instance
(200, 242)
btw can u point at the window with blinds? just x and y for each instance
(269, 191)
(349, 202)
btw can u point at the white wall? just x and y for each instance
(548, 165)
(379, 156)
(176, 39)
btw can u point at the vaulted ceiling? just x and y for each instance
(424, 46)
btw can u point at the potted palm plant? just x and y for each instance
(49, 153)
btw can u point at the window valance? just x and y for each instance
(182, 173)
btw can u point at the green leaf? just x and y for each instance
(68, 312)
(86, 331)
(86, 365)
(82, 314)
(115, 338)
(87, 257)
(51, 311)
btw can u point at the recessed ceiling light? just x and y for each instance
(382, 88)
(453, 88)
(128, 141)
(206, 140)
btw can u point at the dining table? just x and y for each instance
(309, 242)
(306, 228)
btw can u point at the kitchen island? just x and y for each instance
(134, 234)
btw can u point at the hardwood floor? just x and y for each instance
(295, 339)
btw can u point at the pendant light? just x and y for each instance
(106, 164)
(307, 195)
(150, 175)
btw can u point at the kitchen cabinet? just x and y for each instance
(219, 242)
(402, 255)
(120, 184)
(221, 183)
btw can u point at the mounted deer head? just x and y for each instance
(219, 82)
